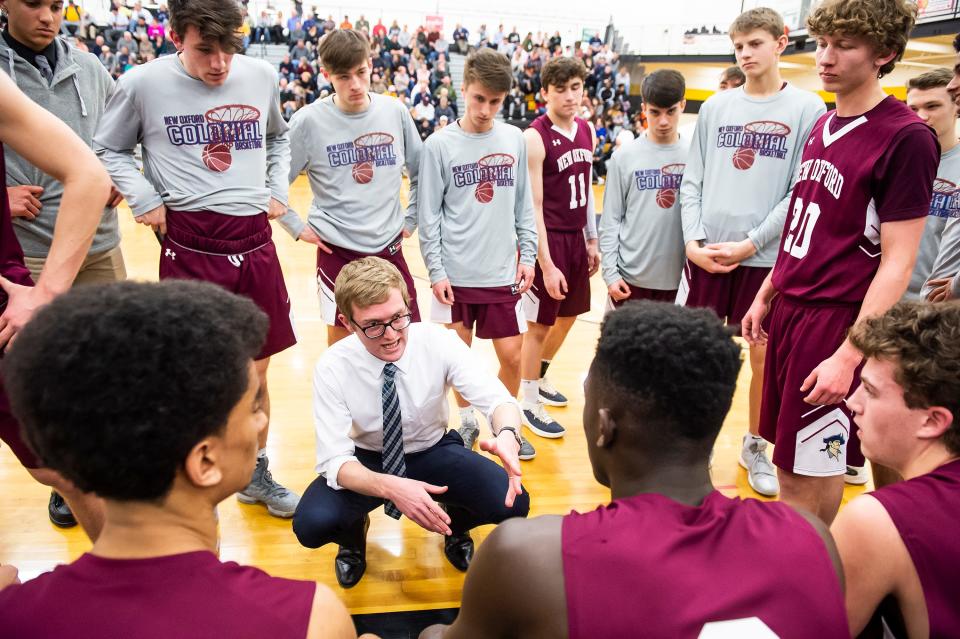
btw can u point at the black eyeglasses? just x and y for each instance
(377, 329)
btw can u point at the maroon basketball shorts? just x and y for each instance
(497, 311)
(11, 435)
(640, 293)
(728, 294)
(236, 253)
(569, 254)
(817, 441)
(330, 264)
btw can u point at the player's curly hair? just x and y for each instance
(115, 384)
(922, 340)
(670, 368)
(556, 72)
(214, 20)
(886, 24)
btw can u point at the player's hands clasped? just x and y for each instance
(505, 447)
(413, 499)
(738, 251)
(710, 259)
(24, 201)
(155, 219)
(619, 290)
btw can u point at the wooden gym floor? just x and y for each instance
(406, 567)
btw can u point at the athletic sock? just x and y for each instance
(530, 392)
(261, 453)
(544, 365)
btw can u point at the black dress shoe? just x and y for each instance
(351, 561)
(459, 550)
(59, 511)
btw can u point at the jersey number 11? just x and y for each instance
(573, 191)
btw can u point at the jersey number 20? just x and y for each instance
(801, 228)
(573, 191)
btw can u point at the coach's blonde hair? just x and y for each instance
(886, 24)
(342, 50)
(489, 68)
(760, 18)
(367, 281)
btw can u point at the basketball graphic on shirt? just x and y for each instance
(672, 174)
(362, 173)
(944, 187)
(368, 151)
(216, 157)
(484, 190)
(743, 158)
(757, 135)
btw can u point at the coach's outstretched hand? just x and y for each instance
(22, 303)
(506, 448)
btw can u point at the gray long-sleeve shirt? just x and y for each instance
(475, 206)
(939, 253)
(77, 95)
(222, 149)
(641, 239)
(354, 208)
(741, 167)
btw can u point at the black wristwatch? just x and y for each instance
(513, 430)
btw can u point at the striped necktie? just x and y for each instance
(393, 462)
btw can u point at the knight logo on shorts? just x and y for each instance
(363, 154)
(220, 131)
(764, 138)
(833, 446)
(490, 171)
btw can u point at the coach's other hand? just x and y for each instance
(412, 498)
(505, 447)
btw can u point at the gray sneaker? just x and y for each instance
(760, 472)
(263, 489)
(469, 432)
(526, 452)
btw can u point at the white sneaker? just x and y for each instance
(856, 475)
(761, 474)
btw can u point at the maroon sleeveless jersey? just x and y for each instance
(188, 595)
(855, 174)
(648, 566)
(566, 173)
(11, 255)
(926, 512)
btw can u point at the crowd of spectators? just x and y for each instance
(410, 64)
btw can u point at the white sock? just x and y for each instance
(261, 453)
(530, 392)
(467, 417)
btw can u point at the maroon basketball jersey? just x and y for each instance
(566, 173)
(926, 512)
(188, 595)
(649, 566)
(855, 174)
(11, 255)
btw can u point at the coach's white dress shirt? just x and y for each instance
(347, 409)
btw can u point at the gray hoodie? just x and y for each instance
(77, 96)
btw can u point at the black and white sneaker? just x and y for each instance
(549, 395)
(856, 475)
(539, 421)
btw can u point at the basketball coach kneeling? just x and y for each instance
(380, 409)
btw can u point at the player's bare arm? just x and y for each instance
(514, 587)
(30, 130)
(830, 382)
(552, 277)
(876, 564)
(329, 618)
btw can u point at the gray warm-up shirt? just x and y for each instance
(475, 206)
(939, 253)
(741, 166)
(77, 95)
(221, 149)
(641, 239)
(354, 162)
